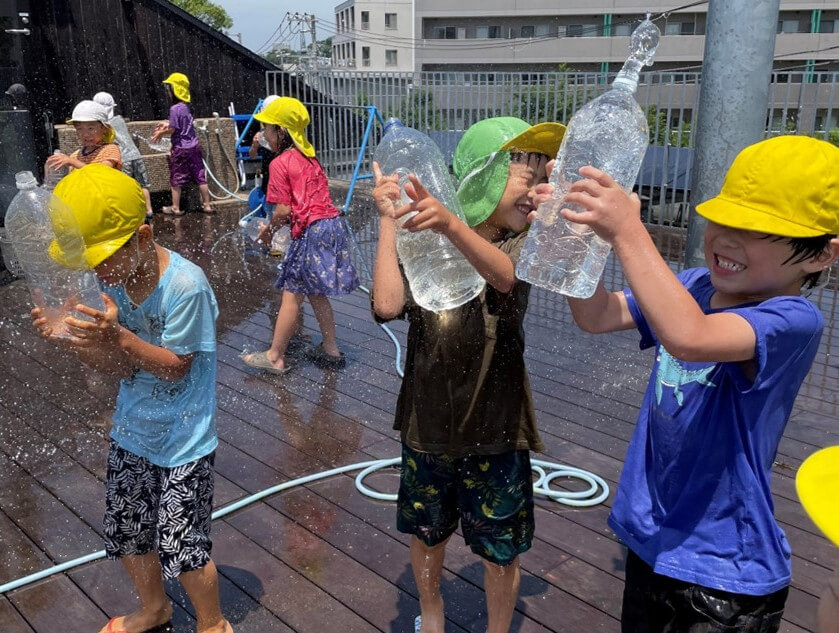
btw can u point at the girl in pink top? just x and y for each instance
(317, 264)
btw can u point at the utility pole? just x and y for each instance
(314, 65)
(733, 98)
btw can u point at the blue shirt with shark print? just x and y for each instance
(694, 498)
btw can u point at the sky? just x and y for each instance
(258, 19)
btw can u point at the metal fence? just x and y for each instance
(445, 104)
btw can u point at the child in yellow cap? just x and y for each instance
(157, 334)
(734, 341)
(186, 163)
(817, 484)
(465, 411)
(317, 264)
(96, 135)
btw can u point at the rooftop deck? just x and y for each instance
(322, 558)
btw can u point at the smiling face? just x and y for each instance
(526, 171)
(90, 133)
(748, 266)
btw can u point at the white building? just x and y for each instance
(374, 35)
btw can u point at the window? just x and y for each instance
(365, 55)
(561, 30)
(482, 32)
(575, 30)
(390, 20)
(528, 31)
(365, 20)
(494, 32)
(390, 57)
(673, 28)
(788, 26)
(445, 33)
(622, 30)
(688, 28)
(543, 30)
(827, 26)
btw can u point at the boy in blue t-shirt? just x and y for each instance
(157, 334)
(733, 344)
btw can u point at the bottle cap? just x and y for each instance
(25, 180)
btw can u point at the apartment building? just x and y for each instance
(372, 35)
(538, 35)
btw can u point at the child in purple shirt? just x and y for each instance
(186, 164)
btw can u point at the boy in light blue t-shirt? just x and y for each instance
(734, 341)
(157, 334)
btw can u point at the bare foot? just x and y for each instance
(139, 621)
(221, 627)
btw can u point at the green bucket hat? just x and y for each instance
(482, 160)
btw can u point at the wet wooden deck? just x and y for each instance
(322, 558)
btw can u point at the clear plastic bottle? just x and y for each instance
(35, 218)
(52, 176)
(609, 133)
(440, 277)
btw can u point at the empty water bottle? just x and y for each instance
(53, 175)
(439, 275)
(609, 133)
(36, 222)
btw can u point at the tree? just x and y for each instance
(208, 12)
(284, 55)
(657, 124)
(540, 102)
(418, 110)
(325, 47)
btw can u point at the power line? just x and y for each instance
(454, 45)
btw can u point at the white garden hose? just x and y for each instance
(596, 493)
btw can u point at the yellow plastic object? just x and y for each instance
(817, 484)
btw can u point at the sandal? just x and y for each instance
(319, 356)
(259, 360)
(208, 209)
(172, 211)
(166, 627)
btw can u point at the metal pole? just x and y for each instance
(736, 67)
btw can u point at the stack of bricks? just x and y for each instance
(219, 153)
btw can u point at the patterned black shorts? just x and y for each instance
(492, 495)
(148, 507)
(137, 170)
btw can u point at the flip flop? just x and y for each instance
(172, 211)
(259, 360)
(209, 211)
(166, 627)
(319, 356)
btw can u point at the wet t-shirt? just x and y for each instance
(694, 499)
(466, 389)
(168, 422)
(180, 119)
(99, 154)
(300, 183)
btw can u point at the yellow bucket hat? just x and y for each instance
(108, 208)
(817, 484)
(787, 185)
(180, 86)
(290, 114)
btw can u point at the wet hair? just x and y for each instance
(285, 141)
(804, 248)
(519, 156)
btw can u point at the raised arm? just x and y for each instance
(672, 313)
(388, 285)
(492, 264)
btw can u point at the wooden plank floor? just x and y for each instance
(322, 558)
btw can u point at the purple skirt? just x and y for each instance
(318, 262)
(185, 166)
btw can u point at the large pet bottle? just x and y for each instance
(609, 133)
(34, 221)
(439, 275)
